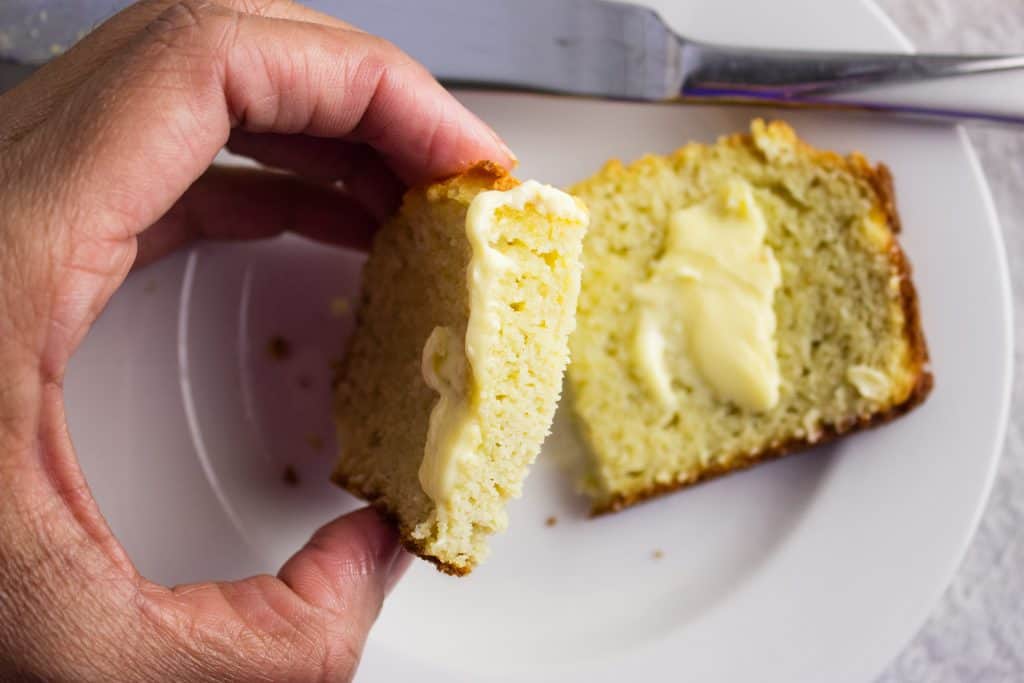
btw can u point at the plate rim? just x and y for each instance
(1006, 394)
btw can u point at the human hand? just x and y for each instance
(104, 163)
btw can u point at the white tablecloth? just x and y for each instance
(976, 633)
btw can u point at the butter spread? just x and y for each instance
(449, 363)
(706, 311)
(452, 433)
(870, 383)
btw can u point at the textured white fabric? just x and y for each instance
(976, 633)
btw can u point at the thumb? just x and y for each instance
(349, 565)
(308, 623)
(345, 571)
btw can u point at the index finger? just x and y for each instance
(170, 102)
(24, 110)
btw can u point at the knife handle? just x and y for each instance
(949, 86)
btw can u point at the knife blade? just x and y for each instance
(576, 47)
(581, 47)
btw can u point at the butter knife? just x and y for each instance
(613, 50)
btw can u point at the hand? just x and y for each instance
(104, 163)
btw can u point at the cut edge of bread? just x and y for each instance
(482, 176)
(880, 179)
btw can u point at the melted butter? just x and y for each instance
(453, 434)
(705, 314)
(449, 363)
(649, 352)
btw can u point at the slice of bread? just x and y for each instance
(782, 307)
(455, 368)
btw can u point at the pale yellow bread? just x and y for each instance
(497, 353)
(847, 339)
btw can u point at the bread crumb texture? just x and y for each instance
(847, 336)
(416, 281)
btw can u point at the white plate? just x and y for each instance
(819, 567)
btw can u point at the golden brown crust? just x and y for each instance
(881, 181)
(483, 175)
(488, 173)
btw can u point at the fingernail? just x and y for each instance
(513, 159)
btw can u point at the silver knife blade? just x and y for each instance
(577, 47)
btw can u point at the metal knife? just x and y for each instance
(614, 50)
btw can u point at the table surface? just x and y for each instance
(976, 632)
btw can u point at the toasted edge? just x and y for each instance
(880, 179)
(497, 176)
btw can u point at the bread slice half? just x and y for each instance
(741, 301)
(455, 368)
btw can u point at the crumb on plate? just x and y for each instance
(279, 348)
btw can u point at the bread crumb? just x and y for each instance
(411, 327)
(279, 348)
(340, 306)
(315, 441)
(290, 477)
(657, 554)
(551, 521)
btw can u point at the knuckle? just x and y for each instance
(178, 22)
(384, 52)
(258, 7)
(193, 26)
